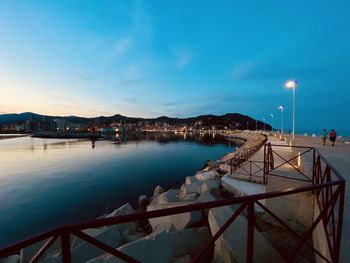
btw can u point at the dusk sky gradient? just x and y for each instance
(177, 58)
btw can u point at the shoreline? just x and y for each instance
(12, 136)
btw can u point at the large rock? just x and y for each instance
(231, 246)
(167, 227)
(225, 168)
(189, 197)
(212, 186)
(203, 176)
(166, 246)
(206, 197)
(180, 221)
(143, 203)
(85, 251)
(190, 179)
(123, 210)
(150, 249)
(194, 187)
(128, 227)
(166, 197)
(158, 190)
(189, 241)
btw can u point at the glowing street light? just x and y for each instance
(282, 110)
(291, 84)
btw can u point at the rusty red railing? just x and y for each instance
(326, 184)
(241, 157)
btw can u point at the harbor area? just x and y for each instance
(272, 200)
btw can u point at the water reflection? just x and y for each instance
(209, 138)
(58, 181)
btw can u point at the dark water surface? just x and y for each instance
(48, 182)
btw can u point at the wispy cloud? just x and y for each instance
(129, 99)
(123, 45)
(183, 56)
(171, 104)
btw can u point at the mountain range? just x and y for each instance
(228, 119)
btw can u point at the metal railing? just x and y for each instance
(243, 156)
(327, 185)
(329, 199)
(255, 169)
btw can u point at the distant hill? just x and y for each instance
(14, 117)
(227, 120)
(26, 116)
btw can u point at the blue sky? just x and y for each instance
(177, 58)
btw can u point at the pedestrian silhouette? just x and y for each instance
(332, 136)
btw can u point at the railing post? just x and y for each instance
(250, 170)
(250, 233)
(231, 166)
(65, 246)
(337, 244)
(313, 166)
(264, 175)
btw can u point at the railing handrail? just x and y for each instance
(333, 169)
(161, 212)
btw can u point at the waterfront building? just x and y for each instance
(19, 127)
(74, 126)
(59, 124)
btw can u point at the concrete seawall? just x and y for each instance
(68, 135)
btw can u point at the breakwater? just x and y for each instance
(67, 135)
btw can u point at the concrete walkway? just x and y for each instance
(296, 210)
(297, 207)
(339, 157)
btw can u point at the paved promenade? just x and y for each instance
(339, 157)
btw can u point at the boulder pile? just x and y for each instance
(252, 143)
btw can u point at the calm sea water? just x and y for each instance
(48, 182)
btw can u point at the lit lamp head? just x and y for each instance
(280, 108)
(291, 84)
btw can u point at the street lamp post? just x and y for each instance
(282, 111)
(264, 123)
(291, 84)
(271, 115)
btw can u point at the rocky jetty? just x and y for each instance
(251, 143)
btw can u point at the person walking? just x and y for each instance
(324, 136)
(332, 136)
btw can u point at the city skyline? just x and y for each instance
(148, 59)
